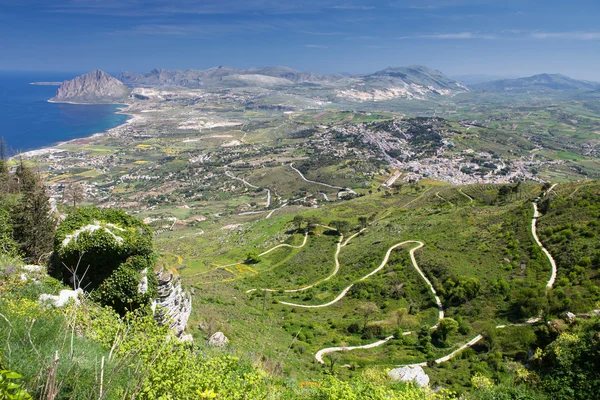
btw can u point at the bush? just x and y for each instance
(123, 289)
(97, 240)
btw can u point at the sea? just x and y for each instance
(29, 122)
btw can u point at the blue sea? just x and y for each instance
(29, 122)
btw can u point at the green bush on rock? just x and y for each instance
(98, 241)
(132, 286)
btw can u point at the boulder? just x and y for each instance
(63, 298)
(414, 374)
(187, 338)
(218, 339)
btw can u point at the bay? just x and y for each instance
(29, 122)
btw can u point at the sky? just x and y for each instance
(458, 37)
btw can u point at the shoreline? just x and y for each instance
(86, 104)
(55, 147)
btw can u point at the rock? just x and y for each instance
(414, 374)
(32, 268)
(570, 316)
(187, 338)
(143, 285)
(218, 339)
(63, 298)
(94, 87)
(173, 305)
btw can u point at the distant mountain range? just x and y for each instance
(407, 82)
(412, 82)
(536, 84)
(197, 78)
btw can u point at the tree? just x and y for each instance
(33, 222)
(252, 257)
(463, 290)
(312, 222)
(4, 174)
(400, 315)
(368, 311)
(447, 327)
(341, 226)
(298, 221)
(363, 222)
(570, 365)
(424, 340)
(74, 193)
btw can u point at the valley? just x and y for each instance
(347, 234)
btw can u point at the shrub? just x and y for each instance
(124, 290)
(97, 240)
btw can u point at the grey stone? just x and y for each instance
(218, 339)
(173, 305)
(414, 374)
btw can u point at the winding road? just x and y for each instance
(232, 176)
(315, 182)
(467, 196)
(319, 355)
(335, 270)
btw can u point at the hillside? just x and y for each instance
(431, 275)
(93, 87)
(214, 76)
(414, 82)
(536, 84)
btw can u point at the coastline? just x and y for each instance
(85, 104)
(55, 147)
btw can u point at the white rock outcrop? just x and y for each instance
(414, 374)
(63, 298)
(173, 305)
(218, 339)
(143, 285)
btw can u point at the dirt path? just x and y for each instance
(322, 352)
(335, 270)
(467, 196)
(319, 355)
(232, 176)
(443, 199)
(536, 214)
(416, 198)
(315, 182)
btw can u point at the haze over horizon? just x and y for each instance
(458, 37)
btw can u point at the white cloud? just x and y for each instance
(316, 46)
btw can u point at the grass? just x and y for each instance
(488, 240)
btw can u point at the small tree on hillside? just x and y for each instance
(73, 193)
(33, 223)
(368, 311)
(298, 221)
(446, 327)
(4, 174)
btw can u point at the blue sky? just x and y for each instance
(492, 37)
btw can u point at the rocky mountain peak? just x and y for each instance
(94, 87)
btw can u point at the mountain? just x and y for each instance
(225, 76)
(412, 82)
(418, 75)
(93, 87)
(542, 83)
